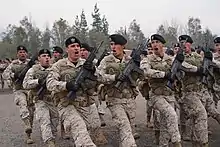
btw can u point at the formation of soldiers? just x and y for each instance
(59, 93)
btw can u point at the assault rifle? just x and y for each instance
(132, 66)
(84, 73)
(177, 71)
(19, 79)
(207, 68)
(105, 53)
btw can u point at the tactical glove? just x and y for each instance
(70, 86)
(42, 82)
(121, 77)
(167, 74)
(89, 66)
(208, 55)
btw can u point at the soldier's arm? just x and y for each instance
(148, 72)
(52, 82)
(101, 73)
(29, 82)
(189, 68)
(8, 74)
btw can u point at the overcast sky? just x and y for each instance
(148, 13)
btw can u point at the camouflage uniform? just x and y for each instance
(3, 66)
(161, 97)
(46, 112)
(216, 86)
(71, 111)
(192, 105)
(22, 100)
(121, 104)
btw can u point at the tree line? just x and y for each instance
(29, 35)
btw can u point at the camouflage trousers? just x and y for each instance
(192, 107)
(47, 115)
(99, 104)
(71, 119)
(26, 106)
(123, 114)
(167, 117)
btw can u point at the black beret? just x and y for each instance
(72, 40)
(86, 46)
(158, 37)
(186, 38)
(58, 49)
(217, 40)
(44, 51)
(21, 47)
(118, 39)
(177, 45)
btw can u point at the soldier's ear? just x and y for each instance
(38, 58)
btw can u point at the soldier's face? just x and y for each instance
(73, 51)
(217, 48)
(56, 55)
(187, 46)
(84, 53)
(44, 60)
(22, 55)
(150, 50)
(157, 47)
(117, 49)
(175, 50)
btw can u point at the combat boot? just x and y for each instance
(205, 144)
(29, 140)
(51, 143)
(157, 137)
(177, 144)
(99, 137)
(136, 135)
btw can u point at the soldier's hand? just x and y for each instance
(41, 82)
(167, 74)
(16, 75)
(121, 77)
(89, 66)
(208, 55)
(70, 86)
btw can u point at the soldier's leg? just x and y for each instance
(156, 116)
(119, 116)
(169, 115)
(91, 117)
(2, 82)
(71, 119)
(149, 111)
(43, 116)
(54, 117)
(21, 102)
(199, 116)
(130, 108)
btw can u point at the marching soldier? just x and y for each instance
(57, 54)
(45, 111)
(121, 104)
(73, 112)
(25, 105)
(192, 93)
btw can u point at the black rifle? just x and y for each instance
(177, 70)
(43, 89)
(105, 53)
(19, 79)
(207, 68)
(132, 66)
(84, 73)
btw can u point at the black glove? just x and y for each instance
(167, 74)
(89, 66)
(70, 86)
(42, 82)
(180, 57)
(16, 75)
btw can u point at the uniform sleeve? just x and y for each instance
(101, 73)
(29, 82)
(8, 74)
(148, 72)
(189, 68)
(53, 83)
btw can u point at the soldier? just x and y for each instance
(122, 105)
(3, 66)
(176, 48)
(46, 113)
(156, 68)
(21, 96)
(57, 54)
(72, 111)
(216, 87)
(84, 52)
(149, 49)
(192, 94)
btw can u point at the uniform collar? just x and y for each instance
(80, 62)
